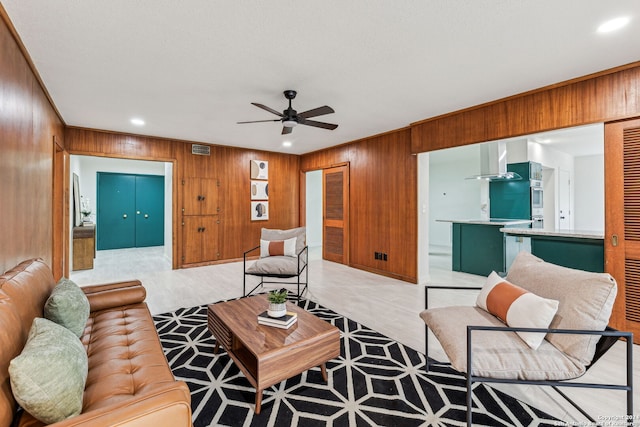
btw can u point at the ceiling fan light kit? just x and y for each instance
(290, 117)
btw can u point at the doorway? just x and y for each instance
(87, 168)
(327, 212)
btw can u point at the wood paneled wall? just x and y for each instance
(28, 123)
(603, 97)
(383, 201)
(227, 164)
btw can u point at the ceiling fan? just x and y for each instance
(290, 117)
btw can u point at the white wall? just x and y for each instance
(451, 196)
(314, 208)
(589, 193)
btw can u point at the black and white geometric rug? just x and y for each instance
(375, 382)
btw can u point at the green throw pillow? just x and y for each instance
(48, 377)
(68, 306)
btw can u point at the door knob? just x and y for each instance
(146, 215)
(124, 216)
(137, 212)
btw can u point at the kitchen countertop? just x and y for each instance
(578, 234)
(491, 221)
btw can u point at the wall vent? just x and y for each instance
(200, 150)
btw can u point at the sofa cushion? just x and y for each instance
(585, 301)
(275, 266)
(68, 306)
(125, 356)
(496, 354)
(48, 377)
(517, 307)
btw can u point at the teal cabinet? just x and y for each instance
(579, 253)
(477, 248)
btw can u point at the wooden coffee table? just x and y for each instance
(268, 355)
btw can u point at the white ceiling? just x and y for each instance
(191, 68)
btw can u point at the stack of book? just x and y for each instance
(284, 322)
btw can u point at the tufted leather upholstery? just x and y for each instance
(129, 381)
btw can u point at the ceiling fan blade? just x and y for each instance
(264, 107)
(259, 121)
(286, 130)
(314, 123)
(320, 111)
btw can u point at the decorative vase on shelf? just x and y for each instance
(277, 303)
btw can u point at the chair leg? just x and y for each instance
(426, 346)
(469, 402)
(426, 328)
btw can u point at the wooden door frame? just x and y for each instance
(303, 202)
(60, 210)
(176, 200)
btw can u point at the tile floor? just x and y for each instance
(386, 305)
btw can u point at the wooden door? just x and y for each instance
(210, 241)
(200, 196)
(622, 221)
(200, 239)
(335, 215)
(192, 196)
(192, 235)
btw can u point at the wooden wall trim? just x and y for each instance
(601, 97)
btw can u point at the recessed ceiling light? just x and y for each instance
(137, 122)
(613, 24)
(286, 144)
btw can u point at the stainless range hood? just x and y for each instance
(493, 163)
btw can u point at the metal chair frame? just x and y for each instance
(608, 337)
(303, 267)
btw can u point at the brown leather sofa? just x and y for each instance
(129, 381)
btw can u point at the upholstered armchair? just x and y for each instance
(283, 254)
(541, 325)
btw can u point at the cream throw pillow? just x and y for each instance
(517, 307)
(278, 247)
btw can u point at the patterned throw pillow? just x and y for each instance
(278, 248)
(68, 306)
(48, 377)
(517, 307)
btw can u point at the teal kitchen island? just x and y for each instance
(478, 245)
(583, 250)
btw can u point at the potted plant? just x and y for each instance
(277, 300)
